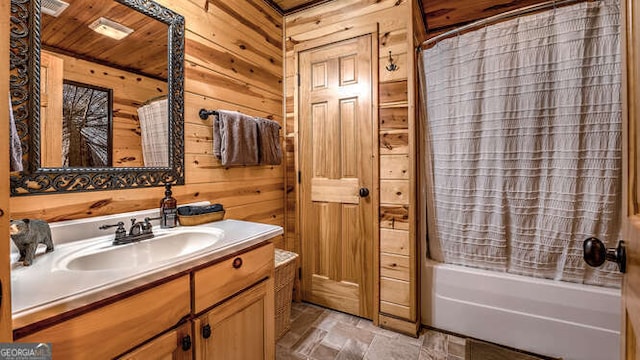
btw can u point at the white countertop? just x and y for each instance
(45, 288)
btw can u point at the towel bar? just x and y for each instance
(204, 114)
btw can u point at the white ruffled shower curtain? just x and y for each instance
(154, 132)
(524, 143)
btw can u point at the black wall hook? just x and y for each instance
(391, 66)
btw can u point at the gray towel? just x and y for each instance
(216, 136)
(235, 138)
(269, 141)
(15, 146)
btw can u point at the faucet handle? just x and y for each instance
(120, 224)
(147, 228)
(120, 231)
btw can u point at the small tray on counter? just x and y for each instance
(196, 215)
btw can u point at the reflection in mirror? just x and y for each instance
(104, 44)
(153, 126)
(81, 135)
(86, 126)
(109, 58)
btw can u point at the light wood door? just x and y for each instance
(51, 86)
(177, 344)
(5, 276)
(631, 190)
(241, 328)
(336, 163)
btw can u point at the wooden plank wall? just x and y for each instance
(396, 137)
(233, 61)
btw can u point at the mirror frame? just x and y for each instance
(25, 49)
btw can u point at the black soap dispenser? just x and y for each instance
(168, 209)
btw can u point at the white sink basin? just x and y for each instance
(164, 247)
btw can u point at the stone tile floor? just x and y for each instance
(318, 334)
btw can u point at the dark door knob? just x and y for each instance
(364, 192)
(595, 253)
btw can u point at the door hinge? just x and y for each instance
(299, 177)
(298, 79)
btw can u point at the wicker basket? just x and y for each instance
(285, 271)
(190, 220)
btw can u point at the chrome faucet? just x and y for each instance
(138, 231)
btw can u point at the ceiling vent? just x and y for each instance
(110, 28)
(53, 7)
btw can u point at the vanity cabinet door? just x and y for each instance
(115, 328)
(240, 328)
(177, 344)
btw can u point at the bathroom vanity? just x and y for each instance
(209, 301)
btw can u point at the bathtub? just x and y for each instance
(546, 317)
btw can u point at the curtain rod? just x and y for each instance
(496, 18)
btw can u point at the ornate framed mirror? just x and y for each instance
(147, 64)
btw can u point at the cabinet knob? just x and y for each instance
(186, 343)
(206, 331)
(237, 263)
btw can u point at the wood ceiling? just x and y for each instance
(439, 15)
(289, 6)
(143, 52)
(442, 15)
